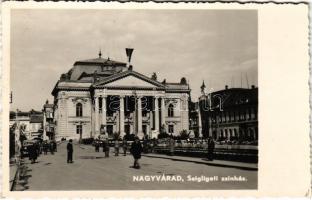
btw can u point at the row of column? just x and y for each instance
(122, 115)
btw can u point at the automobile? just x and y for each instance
(25, 145)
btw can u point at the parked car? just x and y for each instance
(25, 145)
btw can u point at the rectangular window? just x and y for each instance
(170, 128)
(79, 129)
(100, 104)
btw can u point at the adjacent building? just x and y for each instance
(230, 114)
(48, 121)
(103, 96)
(28, 123)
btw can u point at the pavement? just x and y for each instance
(92, 171)
(220, 163)
(13, 170)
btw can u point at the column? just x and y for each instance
(45, 137)
(104, 113)
(200, 129)
(122, 117)
(156, 114)
(96, 115)
(140, 119)
(163, 111)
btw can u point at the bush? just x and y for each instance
(130, 137)
(116, 136)
(184, 135)
(163, 135)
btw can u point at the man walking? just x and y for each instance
(124, 146)
(106, 148)
(211, 146)
(136, 150)
(116, 147)
(70, 151)
(32, 152)
(51, 147)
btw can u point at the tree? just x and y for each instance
(184, 135)
(163, 133)
(116, 136)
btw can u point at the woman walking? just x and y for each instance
(136, 150)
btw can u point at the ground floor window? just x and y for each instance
(79, 129)
(170, 128)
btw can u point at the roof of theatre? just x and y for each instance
(100, 61)
(99, 71)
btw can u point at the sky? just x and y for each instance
(217, 46)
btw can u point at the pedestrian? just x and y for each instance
(51, 146)
(54, 146)
(154, 144)
(171, 146)
(70, 151)
(211, 146)
(136, 150)
(124, 146)
(45, 147)
(97, 146)
(32, 152)
(116, 147)
(106, 147)
(145, 145)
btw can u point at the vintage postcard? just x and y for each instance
(155, 100)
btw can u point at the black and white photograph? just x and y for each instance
(109, 99)
(133, 99)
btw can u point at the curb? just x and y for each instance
(206, 163)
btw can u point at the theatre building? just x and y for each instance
(230, 114)
(102, 96)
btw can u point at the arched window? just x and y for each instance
(79, 110)
(170, 110)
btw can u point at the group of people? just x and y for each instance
(136, 149)
(105, 144)
(35, 149)
(49, 146)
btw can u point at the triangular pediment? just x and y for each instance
(129, 79)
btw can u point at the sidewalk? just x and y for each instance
(218, 163)
(13, 170)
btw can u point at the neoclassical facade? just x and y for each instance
(102, 96)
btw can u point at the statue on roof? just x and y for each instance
(183, 81)
(154, 76)
(95, 76)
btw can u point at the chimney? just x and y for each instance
(226, 87)
(253, 87)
